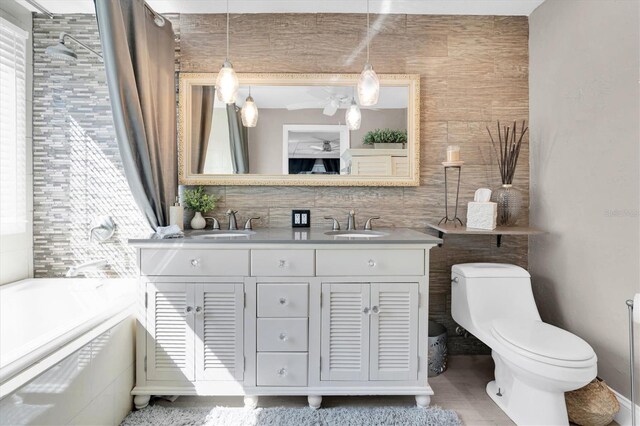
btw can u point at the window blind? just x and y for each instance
(13, 152)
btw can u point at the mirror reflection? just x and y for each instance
(300, 129)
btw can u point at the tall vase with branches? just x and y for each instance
(507, 149)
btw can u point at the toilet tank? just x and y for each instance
(481, 292)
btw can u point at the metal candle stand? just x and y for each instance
(455, 219)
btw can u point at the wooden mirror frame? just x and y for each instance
(187, 80)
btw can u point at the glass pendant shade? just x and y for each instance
(353, 116)
(368, 87)
(249, 113)
(227, 84)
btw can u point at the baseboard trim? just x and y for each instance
(623, 418)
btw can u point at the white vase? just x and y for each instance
(198, 222)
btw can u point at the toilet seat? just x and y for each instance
(543, 342)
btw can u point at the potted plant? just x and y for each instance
(386, 138)
(199, 202)
(508, 198)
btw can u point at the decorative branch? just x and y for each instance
(509, 145)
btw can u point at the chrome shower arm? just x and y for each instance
(63, 35)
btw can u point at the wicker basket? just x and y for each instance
(592, 405)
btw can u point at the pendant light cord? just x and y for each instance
(227, 58)
(368, 34)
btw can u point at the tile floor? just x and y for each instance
(460, 388)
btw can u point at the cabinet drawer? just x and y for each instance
(282, 263)
(282, 369)
(282, 334)
(195, 262)
(283, 300)
(369, 262)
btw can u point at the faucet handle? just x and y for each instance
(367, 225)
(231, 212)
(336, 224)
(216, 223)
(247, 224)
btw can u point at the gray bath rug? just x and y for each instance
(287, 416)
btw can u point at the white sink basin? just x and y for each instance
(356, 234)
(224, 234)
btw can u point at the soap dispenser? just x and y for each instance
(176, 215)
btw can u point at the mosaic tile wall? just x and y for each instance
(474, 70)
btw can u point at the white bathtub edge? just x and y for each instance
(29, 373)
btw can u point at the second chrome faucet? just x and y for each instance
(351, 222)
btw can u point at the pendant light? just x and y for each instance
(227, 81)
(249, 112)
(353, 116)
(369, 84)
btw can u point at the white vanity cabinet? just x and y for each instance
(251, 319)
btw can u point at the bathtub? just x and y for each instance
(63, 334)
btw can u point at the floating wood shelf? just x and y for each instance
(498, 232)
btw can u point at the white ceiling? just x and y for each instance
(418, 7)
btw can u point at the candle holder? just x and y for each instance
(453, 166)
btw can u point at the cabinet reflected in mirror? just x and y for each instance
(301, 136)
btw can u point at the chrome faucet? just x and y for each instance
(216, 223)
(367, 224)
(336, 224)
(94, 265)
(351, 221)
(233, 224)
(247, 224)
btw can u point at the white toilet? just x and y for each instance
(535, 362)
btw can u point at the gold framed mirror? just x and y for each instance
(301, 137)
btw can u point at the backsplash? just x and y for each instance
(474, 71)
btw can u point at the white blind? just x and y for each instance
(13, 152)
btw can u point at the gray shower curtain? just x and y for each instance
(202, 99)
(139, 63)
(239, 140)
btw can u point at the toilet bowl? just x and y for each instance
(536, 363)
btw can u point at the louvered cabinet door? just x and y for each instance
(170, 324)
(219, 332)
(394, 331)
(345, 331)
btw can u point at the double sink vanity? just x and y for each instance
(284, 312)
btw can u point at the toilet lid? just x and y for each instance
(541, 339)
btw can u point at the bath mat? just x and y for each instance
(291, 416)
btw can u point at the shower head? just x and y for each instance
(61, 51)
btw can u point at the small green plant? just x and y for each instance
(385, 136)
(199, 201)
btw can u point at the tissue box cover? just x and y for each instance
(482, 215)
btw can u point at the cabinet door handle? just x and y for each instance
(375, 310)
(282, 263)
(195, 262)
(188, 309)
(283, 337)
(198, 310)
(365, 310)
(282, 372)
(283, 301)
(371, 263)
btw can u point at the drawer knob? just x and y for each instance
(365, 310)
(282, 372)
(375, 310)
(283, 337)
(283, 300)
(282, 263)
(188, 309)
(195, 262)
(371, 263)
(198, 310)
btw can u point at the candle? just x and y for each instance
(453, 153)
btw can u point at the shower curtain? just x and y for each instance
(139, 64)
(238, 138)
(201, 119)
